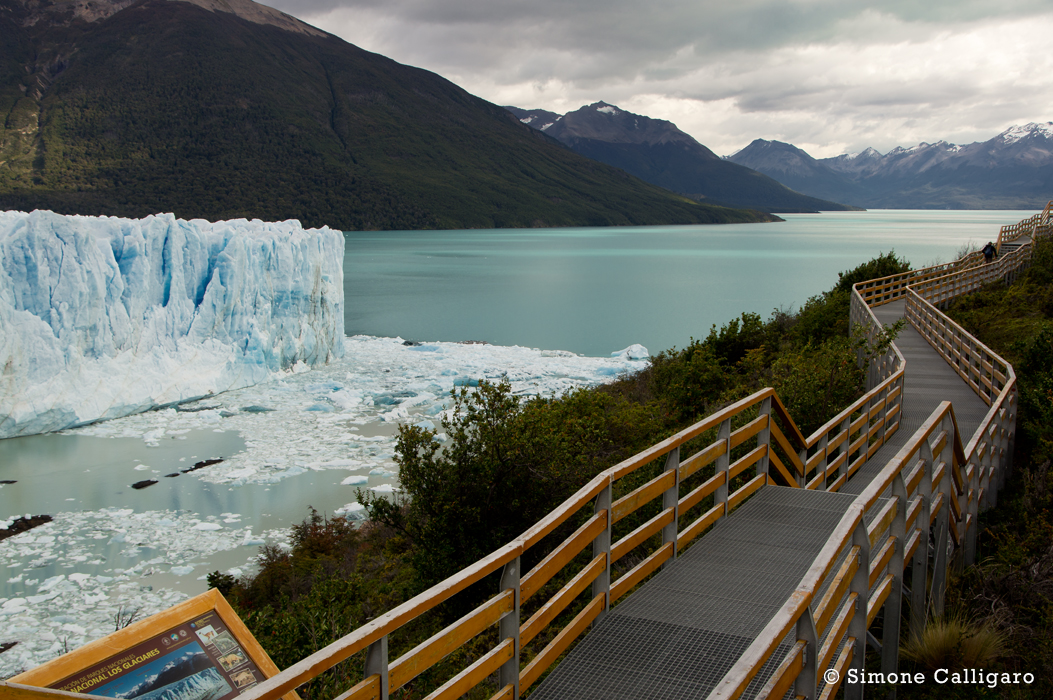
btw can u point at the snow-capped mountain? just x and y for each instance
(657, 151)
(1012, 170)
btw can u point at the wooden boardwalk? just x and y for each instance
(679, 634)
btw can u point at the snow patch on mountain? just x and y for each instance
(1016, 133)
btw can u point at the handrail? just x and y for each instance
(931, 471)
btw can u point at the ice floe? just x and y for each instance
(113, 558)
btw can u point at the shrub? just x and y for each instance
(952, 642)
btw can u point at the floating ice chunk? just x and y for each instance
(633, 352)
(355, 481)
(208, 526)
(351, 509)
(181, 570)
(384, 488)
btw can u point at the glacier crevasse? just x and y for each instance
(103, 317)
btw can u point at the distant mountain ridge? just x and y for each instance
(222, 109)
(1013, 170)
(656, 151)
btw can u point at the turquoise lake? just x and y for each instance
(594, 291)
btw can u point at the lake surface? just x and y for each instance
(588, 291)
(597, 290)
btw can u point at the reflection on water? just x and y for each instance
(72, 472)
(57, 473)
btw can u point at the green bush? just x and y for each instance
(502, 466)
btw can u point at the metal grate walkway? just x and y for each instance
(681, 632)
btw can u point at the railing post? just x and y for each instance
(846, 428)
(920, 574)
(884, 415)
(509, 627)
(722, 463)
(601, 585)
(857, 628)
(377, 664)
(974, 513)
(764, 437)
(671, 499)
(808, 679)
(802, 478)
(894, 602)
(824, 463)
(943, 523)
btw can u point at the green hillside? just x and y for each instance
(165, 106)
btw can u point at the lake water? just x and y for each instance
(588, 291)
(596, 290)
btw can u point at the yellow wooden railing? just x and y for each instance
(1037, 225)
(936, 478)
(657, 502)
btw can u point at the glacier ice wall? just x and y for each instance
(103, 317)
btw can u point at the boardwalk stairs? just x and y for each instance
(739, 557)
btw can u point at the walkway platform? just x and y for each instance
(681, 632)
(678, 635)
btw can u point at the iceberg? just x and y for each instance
(102, 317)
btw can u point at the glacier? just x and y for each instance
(102, 317)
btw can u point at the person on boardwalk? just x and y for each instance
(989, 251)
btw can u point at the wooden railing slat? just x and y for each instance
(430, 652)
(540, 663)
(476, 673)
(562, 555)
(557, 603)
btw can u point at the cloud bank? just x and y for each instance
(831, 76)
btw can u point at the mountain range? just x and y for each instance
(1013, 170)
(658, 152)
(225, 108)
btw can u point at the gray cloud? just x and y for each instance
(835, 74)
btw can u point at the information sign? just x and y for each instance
(198, 650)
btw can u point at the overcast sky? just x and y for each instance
(830, 76)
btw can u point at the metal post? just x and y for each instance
(894, 602)
(919, 580)
(824, 463)
(764, 437)
(671, 499)
(509, 627)
(722, 464)
(857, 627)
(377, 663)
(846, 428)
(601, 585)
(973, 511)
(808, 678)
(943, 522)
